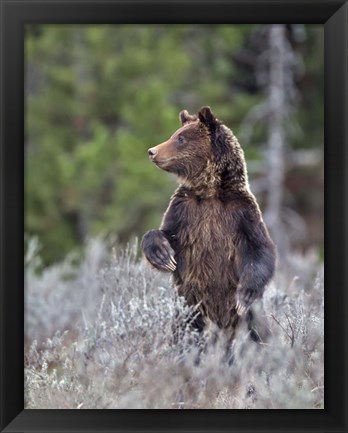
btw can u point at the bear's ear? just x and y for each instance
(207, 117)
(185, 117)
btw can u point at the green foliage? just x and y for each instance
(311, 108)
(98, 96)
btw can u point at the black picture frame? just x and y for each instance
(333, 14)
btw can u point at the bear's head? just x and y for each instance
(201, 150)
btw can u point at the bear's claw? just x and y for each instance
(163, 262)
(158, 251)
(241, 309)
(244, 300)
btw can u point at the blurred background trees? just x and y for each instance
(98, 96)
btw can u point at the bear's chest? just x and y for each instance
(206, 221)
(205, 241)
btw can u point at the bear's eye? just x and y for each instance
(181, 139)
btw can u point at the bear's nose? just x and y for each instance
(152, 151)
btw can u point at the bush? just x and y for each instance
(99, 335)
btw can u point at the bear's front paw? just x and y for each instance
(245, 297)
(158, 251)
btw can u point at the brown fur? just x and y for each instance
(213, 226)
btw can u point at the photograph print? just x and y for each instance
(174, 216)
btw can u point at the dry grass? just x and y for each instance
(99, 335)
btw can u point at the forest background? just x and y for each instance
(97, 97)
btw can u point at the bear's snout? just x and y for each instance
(152, 152)
(162, 153)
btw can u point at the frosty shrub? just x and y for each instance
(100, 335)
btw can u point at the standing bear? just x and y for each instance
(212, 236)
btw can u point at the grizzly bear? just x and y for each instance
(212, 236)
